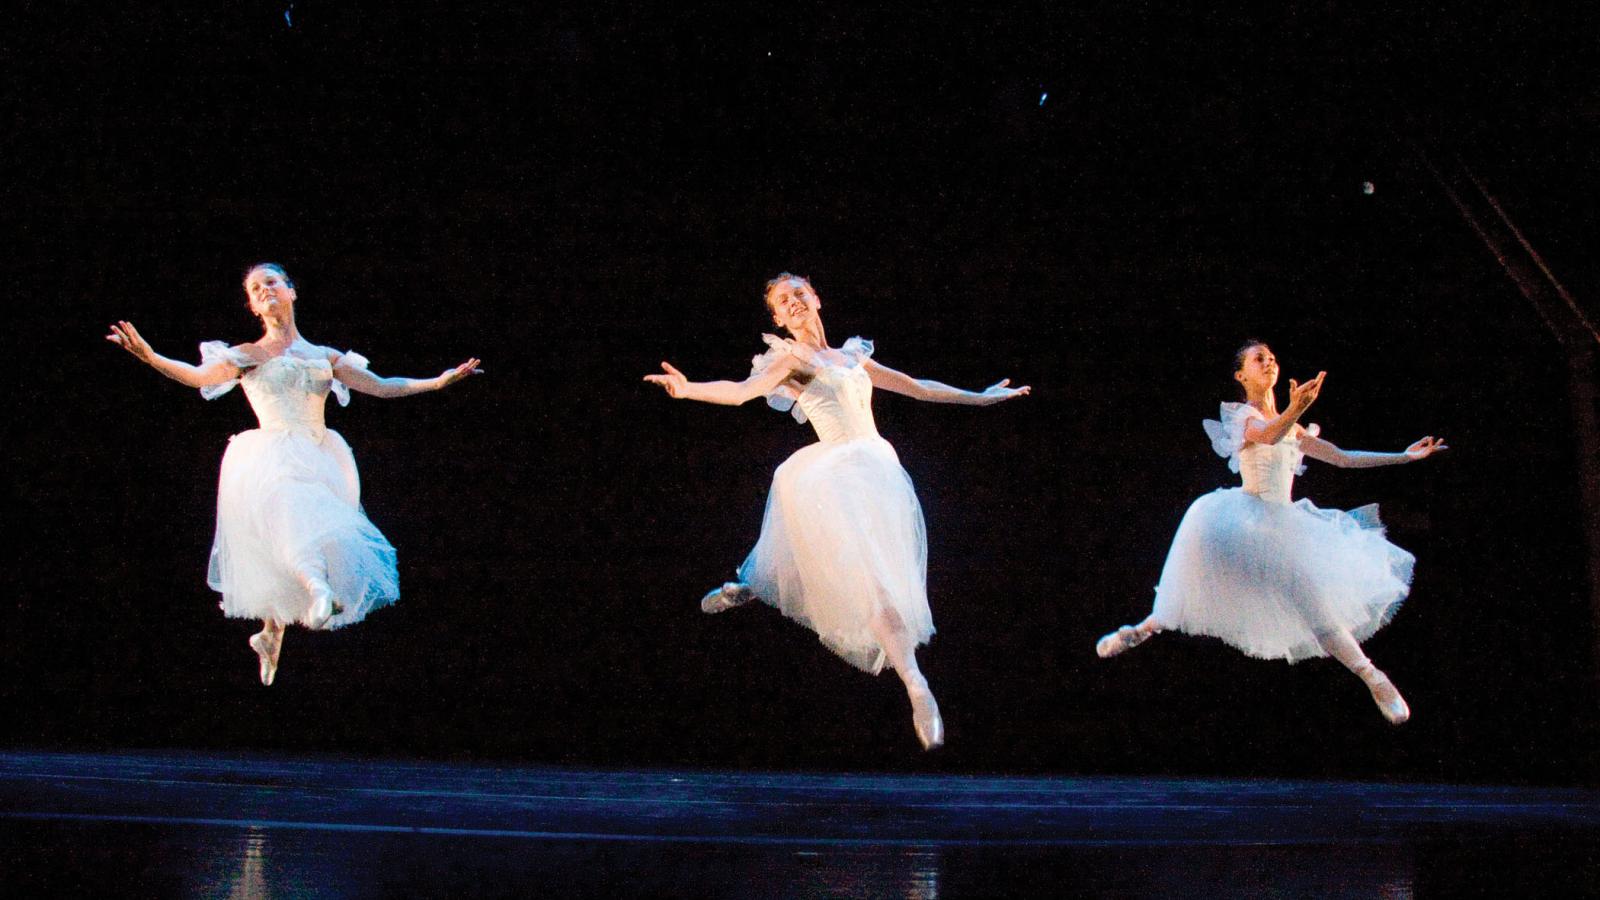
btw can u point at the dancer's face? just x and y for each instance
(269, 291)
(794, 305)
(1260, 369)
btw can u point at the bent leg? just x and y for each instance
(313, 575)
(1127, 637)
(1342, 646)
(900, 648)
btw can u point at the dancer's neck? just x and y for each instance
(813, 336)
(1263, 400)
(279, 333)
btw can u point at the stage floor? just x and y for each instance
(213, 825)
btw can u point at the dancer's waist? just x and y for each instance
(843, 437)
(1268, 494)
(314, 430)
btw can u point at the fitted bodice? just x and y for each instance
(288, 392)
(1268, 470)
(838, 402)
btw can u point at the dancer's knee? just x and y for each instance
(888, 619)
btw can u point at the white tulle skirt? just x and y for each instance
(288, 505)
(1268, 578)
(843, 537)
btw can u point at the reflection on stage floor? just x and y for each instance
(207, 825)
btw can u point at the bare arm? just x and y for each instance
(727, 393)
(1301, 396)
(124, 335)
(1325, 451)
(358, 379)
(887, 379)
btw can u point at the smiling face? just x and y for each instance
(269, 290)
(793, 303)
(1256, 368)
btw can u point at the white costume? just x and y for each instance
(288, 499)
(1270, 575)
(843, 536)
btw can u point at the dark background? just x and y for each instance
(576, 194)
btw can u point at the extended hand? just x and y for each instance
(1425, 448)
(1302, 396)
(1000, 390)
(675, 382)
(124, 335)
(451, 376)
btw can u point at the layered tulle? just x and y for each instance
(288, 505)
(1269, 578)
(843, 538)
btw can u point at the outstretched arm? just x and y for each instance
(1319, 449)
(887, 379)
(357, 378)
(1301, 396)
(124, 335)
(727, 393)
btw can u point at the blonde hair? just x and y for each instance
(780, 279)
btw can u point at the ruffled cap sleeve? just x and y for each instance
(1312, 430)
(858, 349)
(783, 397)
(215, 352)
(353, 360)
(1227, 435)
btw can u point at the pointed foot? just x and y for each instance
(727, 597)
(266, 646)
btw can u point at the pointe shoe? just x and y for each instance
(1390, 703)
(926, 720)
(267, 649)
(726, 597)
(1125, 638)
(323, 606)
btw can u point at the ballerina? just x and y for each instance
(843, 548)
(292, 544)
(1274, 578)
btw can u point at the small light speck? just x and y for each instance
(1043, 97)
(1368, 188)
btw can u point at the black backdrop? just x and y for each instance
(1098, 201)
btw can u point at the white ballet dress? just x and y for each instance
(843, 536)
(1268, 575)
(289, 499)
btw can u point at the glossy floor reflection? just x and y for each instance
(208, 826)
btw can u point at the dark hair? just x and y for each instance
(1240, 354)
(282, 273)
(782, 277)
(1244, 351)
